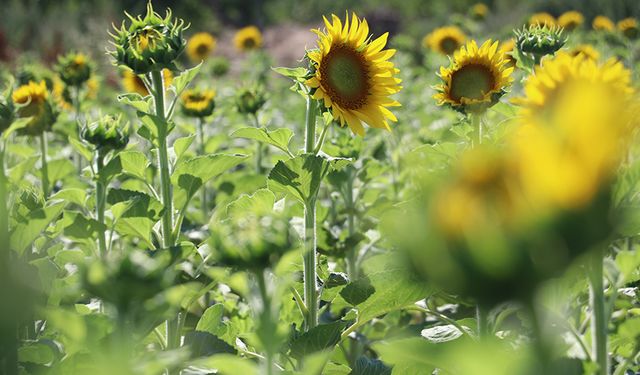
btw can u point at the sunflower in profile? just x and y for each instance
(248, 38)
(353, 75)
(586, 50)
(198, 103)
(603, 23)
(570, 20)
(476, 78)
(542, 18)
(445, 40)
(479, 11)
(133, 83)
(629, 27)
(200, 46)
(32, 100)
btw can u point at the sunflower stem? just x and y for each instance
(352, 254)
(599, 321)
(476, 124)
(266, 322)
(259, 148)
(310, 261)
(44, 171)
(203, 192)
(482, 321)
(100, 205)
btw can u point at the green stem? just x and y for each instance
(310, 260)
(259, 147)
(599, 321)
(352, 254)
(266, 319)
(45, 169)
(540, 342)
(476, 124)
(482, 320)
(101, 194)
(203, 199)
(77, 107)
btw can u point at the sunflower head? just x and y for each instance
(542, 19)
(587, 50)
(74, 69)
(149, 43)
(198, 103)
(570, 20)
(132, 82)
(62, 95)
(32, 100)
(535, 42)
(629, 27)
(352, 74)
(479, 11)
(476, 78)
(603, 23)
(249, 100)
(445, 40)
(110, 133)
(506, 48)
(248, 38)
(200, 46)
(219, 66)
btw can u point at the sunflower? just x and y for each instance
(198, 103)
(479, 11)
(445, 40)
(353, 76)
(32, 101)
(61, 95)
(574, 114)
(200, 46)
(603, 23)
(475, 79)
(506, 48)
(586, 50)
(133, 83)
(542, 18)
(248, 38)
(570, 20)
(629, 27)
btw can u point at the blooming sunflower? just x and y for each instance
(586, 50)
(480, 10)
(248, 38)
(629, 27)
(32, 101)
(542, 18)
(353, 75)
(506, 48)
(198, 103)
(570, 20)
(475, 79)
(603, 23)
(133, 83)
(445, 40)
(200, 46)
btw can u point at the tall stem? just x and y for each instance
(100, 205)
(266, 318)
(310, 261)
(352, 254)
(542, 346)
(44, 172)
(203, 197)
(599, 321)
(477, 129)
(259, 147)
(482, 320)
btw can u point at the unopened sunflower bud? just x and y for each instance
(74, 69)
(250, 100)
(198, 103)
(107, 134)
(149, 43)
(219, 66)
(536, 41)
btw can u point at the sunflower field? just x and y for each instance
(298, 187)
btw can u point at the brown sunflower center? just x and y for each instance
(202, 50)
(471, 81)
(449, 45)
(249, 43)
(344, 75)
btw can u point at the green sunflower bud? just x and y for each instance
(74, 69)
(198, 103)
(250, 100)
(536, 41)
(149, 43)
(219, 66)
(107, 134)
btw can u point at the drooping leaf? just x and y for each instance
(278, 138)
(211, 320)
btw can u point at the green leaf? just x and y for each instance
(358, 291)
(131, 203)
(17, 173)
(37, 353)
(181, 145)
(110, 170)
(319, 338)
(190, 175)
(278, 138)
(154, 125)
(134, 163)
(204, 344)
(227, 364)
(16, 125)
(260, 201)
(184, 79)
(211, 320)
(136, 101)
(368, 366)
(25, 233)
(71, 195)
(81, 148)
(79, 226)
(297, 74)
(60, 169)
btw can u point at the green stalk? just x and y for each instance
(482, 320)
(599, 321)
(45, 169)
(352, 255)
(259, 147)
(310, 261)
(266, 318)
(101, 195)
(77, 106)
(541, 344)
(203, 196)
(477, 129)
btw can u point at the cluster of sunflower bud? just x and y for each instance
(149, 44)
(74, 69)
(198, 103)
(536, 41)
(107, 134)
(249, 100)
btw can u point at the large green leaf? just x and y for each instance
(184, 79)
(211, 320)
(134, 163)
(135, 213)
(24, 234)
(136, 101)
(278, 138)
(60, 169)
(227, 364)
(319, 338)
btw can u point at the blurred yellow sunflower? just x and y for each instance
(445, 40)
(542, 18)
(480, 10)
(575, 114)
(587, 50)
(629, 27)
(33, 94)
(570, 20)
(32, 101)
(353, 74)
(61, 94)
(133, 83)
(200, 46)
(475, 79)
(248, 38)
(198, 103)
(603, 23)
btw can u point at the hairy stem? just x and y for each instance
(310, 260)
(101, 195)
(203, 191)
(599, 322)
